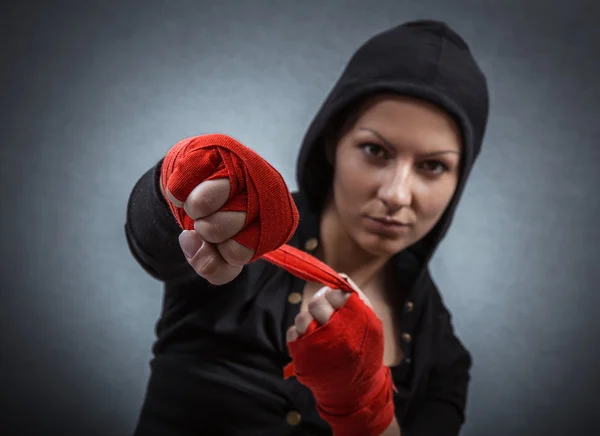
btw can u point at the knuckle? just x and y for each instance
(315, 304)
(200, 202)
(209, 229)
(334, 296)
(207, 266)
(231, 254)
(302, 318)
(234, 253)
(213, 228)
(203, 201)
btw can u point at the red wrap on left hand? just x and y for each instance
(341, 362)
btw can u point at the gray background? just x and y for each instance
(95, 92)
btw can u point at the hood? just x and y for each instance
(423, 59)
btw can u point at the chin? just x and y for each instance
(381, 246)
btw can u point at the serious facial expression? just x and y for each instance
(396, 169)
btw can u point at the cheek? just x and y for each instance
(432, 201)
(353, 186)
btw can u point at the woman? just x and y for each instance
(380, 173)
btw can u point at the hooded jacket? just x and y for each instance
(220, 351)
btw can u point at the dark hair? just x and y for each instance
(343, 121)
(339, 125)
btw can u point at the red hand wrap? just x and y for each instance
(256, 188)
(341, 362)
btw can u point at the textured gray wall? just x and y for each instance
(95, 92)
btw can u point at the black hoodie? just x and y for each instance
(219, 352)
(424, 59)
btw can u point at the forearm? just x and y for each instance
(163, 193)
(152, 230)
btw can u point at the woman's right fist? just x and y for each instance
(209, 248)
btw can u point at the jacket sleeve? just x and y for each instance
(152, 231)
(442, 413)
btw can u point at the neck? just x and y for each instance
(342, 253)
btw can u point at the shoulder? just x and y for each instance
(432, 293)
(447, 347)
(450, 349)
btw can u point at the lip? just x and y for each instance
(387, 221)
(382, 225)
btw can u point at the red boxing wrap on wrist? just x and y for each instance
(341, 362)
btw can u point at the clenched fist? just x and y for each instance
(209, 248)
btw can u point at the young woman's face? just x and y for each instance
(395, 171)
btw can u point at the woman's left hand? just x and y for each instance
(321, 307)
(340, 359)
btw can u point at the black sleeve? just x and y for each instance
(152, 231)
(443, 411)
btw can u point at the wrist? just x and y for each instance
(372, 415)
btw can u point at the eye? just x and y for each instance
(434, 166)
(374, 150)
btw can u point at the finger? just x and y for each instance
(207, 198)
(360, 293)
(337, 298)
(190, 242)
(291, 334)
(172, 199)
(302, 321)
(364, 298)
(220, 226)
(320, 308)
(235, 253)
(350, 281)
(208, 263)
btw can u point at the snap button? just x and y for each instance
(293, 417)
(406, 337)
(295, 298)
(410, 306)
(311, 244)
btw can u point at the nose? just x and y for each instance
(396, 190)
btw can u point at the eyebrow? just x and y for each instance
(389, 144)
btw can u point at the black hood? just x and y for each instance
(422, 59)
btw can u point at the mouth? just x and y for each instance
(385, 225)
(388, 221)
